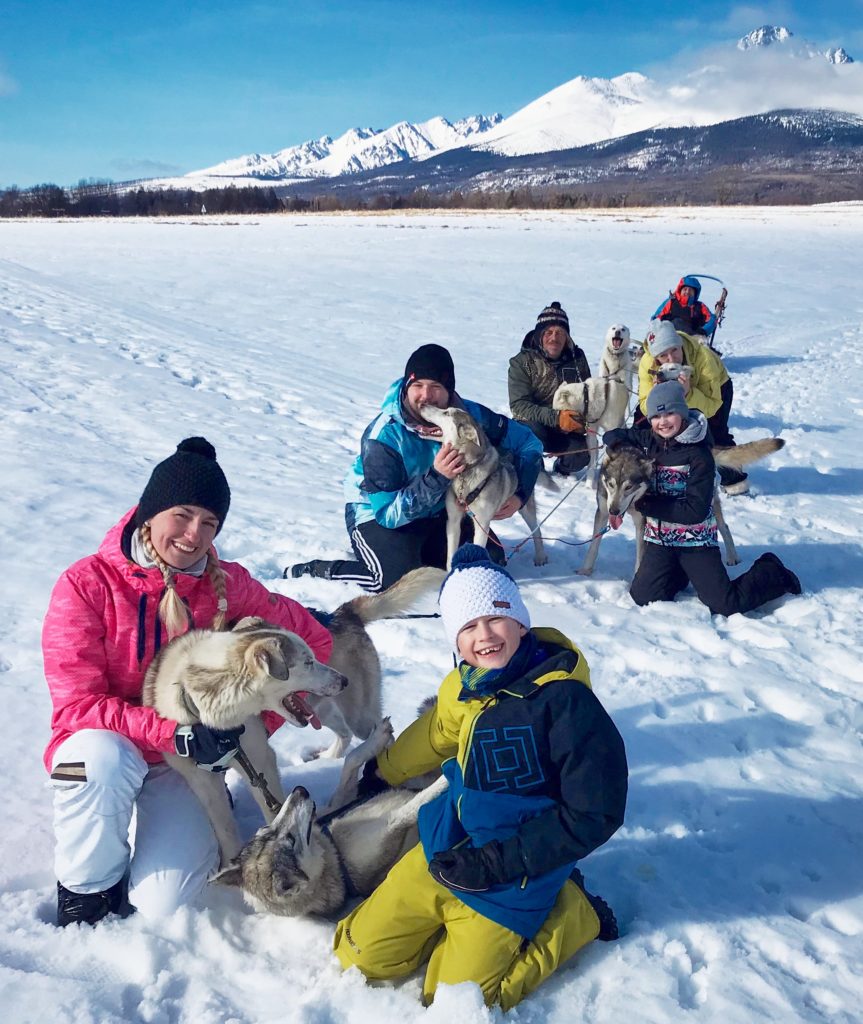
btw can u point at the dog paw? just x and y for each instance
(732, 561)
(311, 753)
(541, 561)
(584, 572)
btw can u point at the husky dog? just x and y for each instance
(625, 477)
(618, 356)
(602, 403)
(483, 487)
(225, 680)
(670, 371)
(298, 865)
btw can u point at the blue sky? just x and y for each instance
(121, 90)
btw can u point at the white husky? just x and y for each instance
(602, 404)
(619, 359)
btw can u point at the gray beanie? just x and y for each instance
(474, 587)
(668, 397)
(661, 337)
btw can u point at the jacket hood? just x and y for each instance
(696, 430)
(688, 282)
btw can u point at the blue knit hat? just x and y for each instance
(475, 586)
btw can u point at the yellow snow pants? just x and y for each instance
(410, 918)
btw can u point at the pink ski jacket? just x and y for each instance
(102, 630)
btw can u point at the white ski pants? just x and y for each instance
(100, 782)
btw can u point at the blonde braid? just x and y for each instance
(172, 611)
(218, 578)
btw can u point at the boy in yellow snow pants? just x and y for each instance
(537, 779)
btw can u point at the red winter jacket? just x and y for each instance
(102, 630)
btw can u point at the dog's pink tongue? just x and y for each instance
(614, 521)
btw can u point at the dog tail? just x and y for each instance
(548, 482)
(396, 599)
(742, 454)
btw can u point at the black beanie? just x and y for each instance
(431, 362)
(191, 476)
(553, 315)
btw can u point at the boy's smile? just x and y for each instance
(490, 641)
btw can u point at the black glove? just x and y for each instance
(213, 749)
(475, 869)
(371, 783)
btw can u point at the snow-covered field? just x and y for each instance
(737, 878)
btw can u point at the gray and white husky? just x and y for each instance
(487, 482)
(298, 865)
(625, 477)
(225, 680)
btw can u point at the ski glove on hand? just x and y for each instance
(212, 749)
(476, 869)
(570, 422)
(371, 783)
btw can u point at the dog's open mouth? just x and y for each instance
(614, 521)
(299, 710)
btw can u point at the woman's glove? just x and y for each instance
(570, 422)
(371, 783)
(212, 749)
(475, 869)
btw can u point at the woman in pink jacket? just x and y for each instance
(155, 576)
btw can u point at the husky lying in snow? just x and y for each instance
(625, 476)
(227, 679)
(297, 866)
(483, 487)
(602, 403)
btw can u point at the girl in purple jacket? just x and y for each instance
(130, 833)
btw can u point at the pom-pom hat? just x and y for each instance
(662, 337)
(554, 315)
(191, 476)
(475, 586)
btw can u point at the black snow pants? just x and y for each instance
(665, 571)
(718, 424)
(571, 449)
(385, 554)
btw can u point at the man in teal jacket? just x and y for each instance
(395, 491)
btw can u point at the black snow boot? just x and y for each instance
(787, 577)
(89, 907)
(316, 567)
(608, 930)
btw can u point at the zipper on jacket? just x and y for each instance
(469, 747)
(142, 627)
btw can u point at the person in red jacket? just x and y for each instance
(155, 576)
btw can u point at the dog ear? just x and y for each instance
(267, 655)
(231, 875)
(248, 623)
(468, 432)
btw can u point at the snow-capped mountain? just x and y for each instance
(773, 35)
(733, 85)
(753, 78)
(360, 149)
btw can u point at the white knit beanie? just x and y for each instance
(661, 337)
(476, 586)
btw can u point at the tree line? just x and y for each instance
(93, 198)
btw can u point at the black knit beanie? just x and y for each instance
(191, 476)
(553, 315)
(431, 362)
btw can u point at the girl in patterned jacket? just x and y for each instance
(156, 575)
(679, 527)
